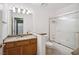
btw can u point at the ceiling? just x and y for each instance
(53, 6)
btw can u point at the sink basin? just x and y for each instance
(23, 35)
(19, 37)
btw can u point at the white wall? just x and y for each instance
(41, 20)
(1, 41)
(28, 24)
(5, 19)
(0, 26)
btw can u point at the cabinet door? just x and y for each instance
(18, 50)
(33, 46)
(9, 49)
(33, 49)
(26, 49)
(13, 51)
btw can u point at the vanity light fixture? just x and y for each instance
(19, 10)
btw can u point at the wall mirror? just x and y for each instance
(18, 26)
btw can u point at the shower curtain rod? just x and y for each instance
(73, 12)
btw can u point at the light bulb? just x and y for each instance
(28, 12)
(14, 9)
(23, 11)
(19, 10)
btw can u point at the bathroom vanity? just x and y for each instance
(26, 45)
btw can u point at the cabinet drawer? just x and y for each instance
(12, 51)
(33, 41)
(20, 43)
(9, 45)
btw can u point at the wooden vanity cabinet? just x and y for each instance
(33, 46)
(22, 47)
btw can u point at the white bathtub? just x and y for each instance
(58, 49)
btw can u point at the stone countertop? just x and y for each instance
(12, 39)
